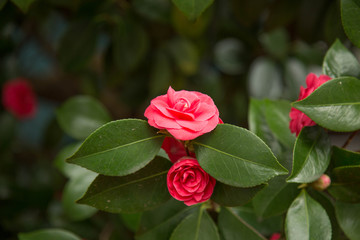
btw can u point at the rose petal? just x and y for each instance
(195, 126)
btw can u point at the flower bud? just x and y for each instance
(322, 183)
(275, 236)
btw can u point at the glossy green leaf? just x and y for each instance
(342, 157)
(185, 55)
(233, 227)
(46, 234)
(114, 149)
(346, 191)
(196, 226)
(264, 79)
(307, 219)
(137, 192)
(23, 4)
(275, 198)
(311, 155)
(265, 226)
(236, 157)
(348, 218)
(73, 190)
(159, 223)
(230, 196)
(81, 115)
(335, 105)
(277, 118)
(339, 61)
(350, 15)
(192, 8)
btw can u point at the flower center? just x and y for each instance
(182, 104)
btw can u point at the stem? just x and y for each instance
(352, 135)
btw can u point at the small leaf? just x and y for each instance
(343, 157)
(276, 42)
(23, 4)
(233, 227)
(192, 8)
(335, 105)
(159, 223)
(73, 190)
(307, 219)
(81, 115)
(339, 61)
(346, 192)
(311, 155)
(196, 226)
(348, 218)
(350, 15)
(46, 234)
(69, 170)
(230, 196)
(236, 157)
(275, 198)
(119, 148)
(137, 192)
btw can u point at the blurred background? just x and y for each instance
(123, 53)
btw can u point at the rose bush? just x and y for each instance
(18, 98)
(184, 114)
(298, 118)
(188, 182)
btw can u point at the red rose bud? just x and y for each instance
(275, 236)
(175, 149)
(298, 119)
(188, 182)
(184, 114)
(322, 183)
(18, 98)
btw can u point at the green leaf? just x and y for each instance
(346, 192)
(339, 61)
(23, 4)
(236, 157)
(348, 218)
(73, 190)
(228, 56)
(264, 79)
(81, 115)
(159, 223)
(137, 192)
(277, 118)
(342, 157)
(233, 227)
(295, 76)
(350, 15)
(131, 220)
(196, 226)
(275, 198)
(192, 8)
(311, 155)
(46, 234)
(230, 196)
(276, 42)
(335, 105)
(307, 219)
(119, 148)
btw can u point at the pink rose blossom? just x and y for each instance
(175, 149)
(18, 98)
(298, 119)
(184, 114)
(188, 182)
